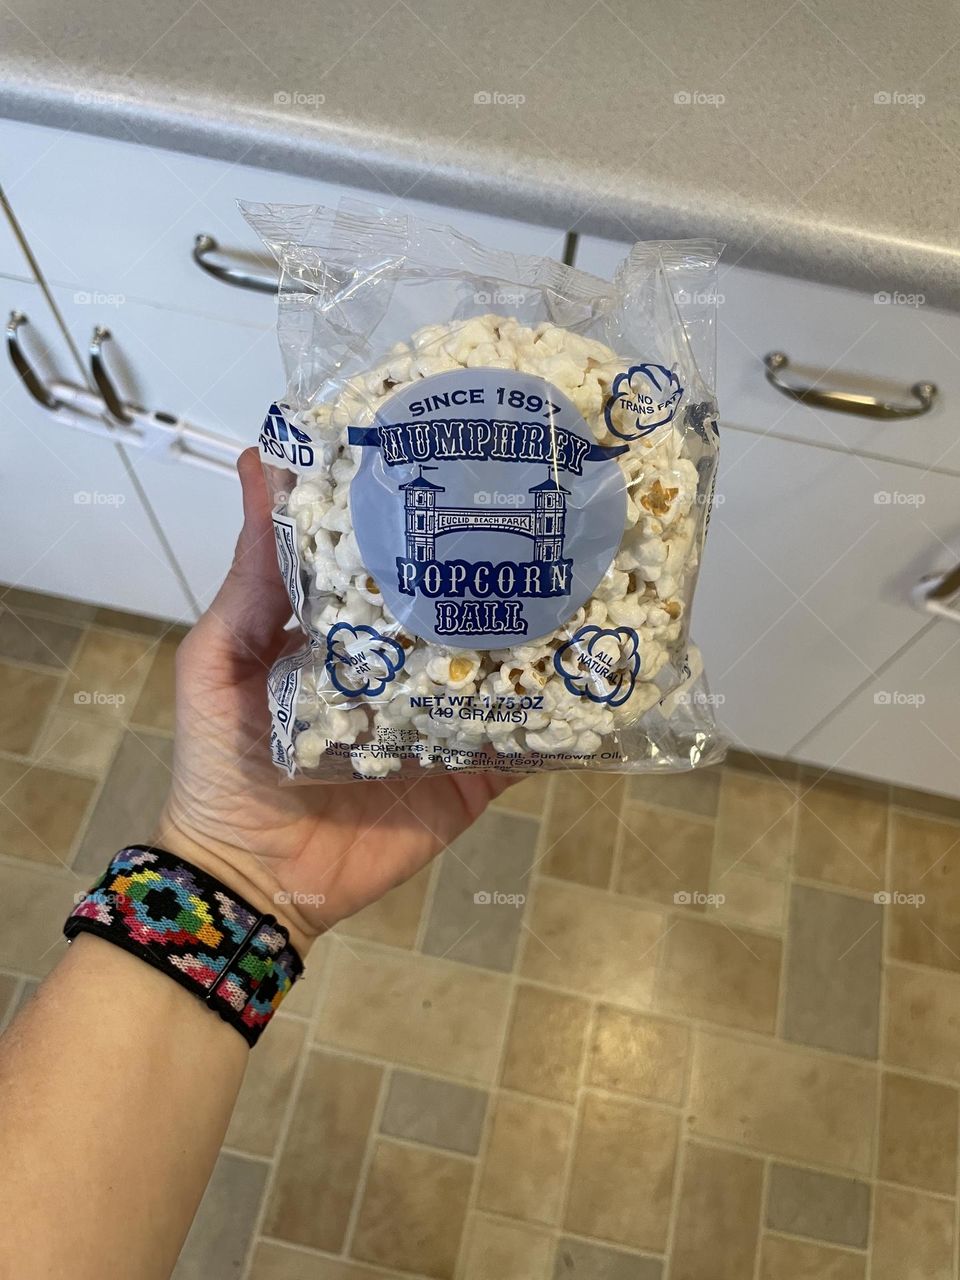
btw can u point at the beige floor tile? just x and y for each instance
(256, 1119)
(926, 861)
(527, 797)
(80, 742)
(138, 623)
(634, 1053)
(755, 822)
(622, 1146)
(803, 1202)
(413, 1210)
(936, 806)
(720, 974)
(422, 1013)
(782, 1101)
(395, 918)
(46, 642)
(751, 899)
(481, 886)
(434, 1112)
(107, 672)
(545, 1043)
(582, 827)
(694, 792)
(796, 1260)
(600, 946)
(25, 699)
(523, 1167)
(301, 1000)
(923, 1021)
(41, 811)
(581, 1260)
(37, 602)
(498, 1250)
(764, 766)
(832, 980)
(918, 1133)
(912, 1236)
(718, 1217)
(130, 800)
(9, 989)
(278, 1262)
(842, 834)
(154, 708)
(665, 854)
(34, 902)
(319, 1165)
(220, 1234)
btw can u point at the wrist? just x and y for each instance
(240, 871)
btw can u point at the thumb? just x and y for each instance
(249, 612)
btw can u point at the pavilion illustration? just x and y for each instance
(425, 521)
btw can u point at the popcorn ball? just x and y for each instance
(489, 522)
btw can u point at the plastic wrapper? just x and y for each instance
(492, 477)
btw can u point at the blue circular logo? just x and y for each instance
(642, 398)
(484, 508)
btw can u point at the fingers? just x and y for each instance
(252, 606)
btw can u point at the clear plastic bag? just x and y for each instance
(492, 477)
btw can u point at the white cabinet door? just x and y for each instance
(878, 345)
(13, 261)
(903, 726)
(806, 580)
(74, 521)
(114, 218)
(217, 375)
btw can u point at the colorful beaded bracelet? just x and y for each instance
(184, 922)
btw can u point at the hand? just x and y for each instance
(309, 854)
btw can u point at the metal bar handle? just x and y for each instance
(28, 375)
(939, 594)
(204, 245)
(924, 394)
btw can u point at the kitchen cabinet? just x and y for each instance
(74, 517)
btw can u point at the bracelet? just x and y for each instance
(183, 921)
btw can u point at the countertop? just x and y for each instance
(815, 139)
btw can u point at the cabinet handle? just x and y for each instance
(934, 593)
(101, 377)
(924, 394)
(28, 375)
(204, 245)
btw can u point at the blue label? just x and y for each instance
(484, 508)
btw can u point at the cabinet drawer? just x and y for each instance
(807, 578)
(838, 338)
(902, 726)
(117, 218)
(75, 522)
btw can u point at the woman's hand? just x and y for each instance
(309, 854)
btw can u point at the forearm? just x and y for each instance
(116, 1087)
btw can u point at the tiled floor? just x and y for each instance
(627, 1029)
